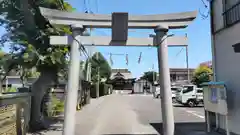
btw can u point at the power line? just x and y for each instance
(140, 58)
(85, 6)
(96, 2)
(179, 52)
(89, 7)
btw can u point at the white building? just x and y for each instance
(15, 81)
(225, 26)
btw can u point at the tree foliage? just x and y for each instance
(99, 63)
(27, 36)
(150, 76)
(5, 65)
(2, 54)
(17, 70)
(201, 74)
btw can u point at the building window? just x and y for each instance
(231, 12)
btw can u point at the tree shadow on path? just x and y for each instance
(53, 124)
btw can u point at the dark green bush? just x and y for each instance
(103, 90)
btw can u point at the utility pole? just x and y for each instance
(188, 72)
(153, 73)
(98, 78)
(187, 62)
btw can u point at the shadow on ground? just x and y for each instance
(130, 134)
(180, 129)
(192, 128)
(199, 106)
(51, 124)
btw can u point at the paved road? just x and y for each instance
(130, 114)
(133, 114)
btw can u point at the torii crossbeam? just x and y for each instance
(160, 23)
(107, 41)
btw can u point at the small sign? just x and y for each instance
(213, 95)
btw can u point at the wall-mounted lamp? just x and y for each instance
(236, 48)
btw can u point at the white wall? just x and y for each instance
(16, 82)
(228, 70)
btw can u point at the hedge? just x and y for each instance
(103, 90)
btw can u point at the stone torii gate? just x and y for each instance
(161, 23)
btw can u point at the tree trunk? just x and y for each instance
(48, 77)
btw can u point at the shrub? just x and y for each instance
(57, 106)
(11, 89)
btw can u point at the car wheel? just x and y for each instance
(191, 103)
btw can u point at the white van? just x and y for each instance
(190, 95)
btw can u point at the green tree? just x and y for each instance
(99, 63)
(27, 34)
(2, 62)
(5, 60)
(151, 76)
(26, 73)
(201, 74)
(6, 70)
(63, 73)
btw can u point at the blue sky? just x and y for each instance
(198, 33)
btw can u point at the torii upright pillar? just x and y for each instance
(73, 83)
(165, 84)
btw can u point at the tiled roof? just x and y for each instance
(125, 73)
(120, 70)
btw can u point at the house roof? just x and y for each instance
(123, 73)
(206, 63)
(121, 70)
